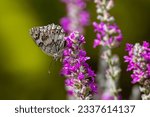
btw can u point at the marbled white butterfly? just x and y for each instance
(50, 39)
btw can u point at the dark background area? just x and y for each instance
(24, 67)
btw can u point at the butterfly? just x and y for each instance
(50, 39)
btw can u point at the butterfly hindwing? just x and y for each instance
(50, 39)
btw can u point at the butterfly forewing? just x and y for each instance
(50, 39)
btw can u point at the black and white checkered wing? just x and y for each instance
(50, 39)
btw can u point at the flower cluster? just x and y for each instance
(138, 60)
(108, 33)
(80, 80)
(77, 17)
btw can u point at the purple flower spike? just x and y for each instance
(108, 36)
(77, 17)
(138, 60)
(80, 78)
(108, 32)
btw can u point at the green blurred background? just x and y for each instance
(24, 67)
